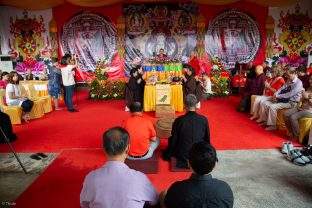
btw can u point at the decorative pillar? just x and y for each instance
(53, 38)
(201, 30)
(121, 26)
(270, 24)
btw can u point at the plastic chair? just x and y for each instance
(47, 101)
(15, 112)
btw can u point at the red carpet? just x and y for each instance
(64, 130)
(60, 184)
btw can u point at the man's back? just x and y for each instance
(199, 192)
(187, 130)
(140, 130)
(116, 185)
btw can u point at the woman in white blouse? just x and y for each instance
(14, 97)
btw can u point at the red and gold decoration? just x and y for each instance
(27, 34)
(294, 42)
(53, 38)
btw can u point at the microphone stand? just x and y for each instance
(16, 156)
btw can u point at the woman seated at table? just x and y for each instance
(271, 85)
(293, 115)
(30, 76)
(4, 80)
(14, 97)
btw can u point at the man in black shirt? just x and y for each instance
(200, 190)
(187, 130)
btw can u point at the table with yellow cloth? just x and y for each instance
(40, 86)
(176, 97)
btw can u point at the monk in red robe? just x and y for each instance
(193, 62)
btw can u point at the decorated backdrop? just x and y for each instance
(25, 36)
(150, 27)
(292, 36)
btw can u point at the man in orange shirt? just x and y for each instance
(143, 140)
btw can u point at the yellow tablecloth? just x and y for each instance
(176, 97)
(40, 86)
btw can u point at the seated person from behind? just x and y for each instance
(200, 190)
(206, 85)
(115, 184)
(143, 141)
(186, 130)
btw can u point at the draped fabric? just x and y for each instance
(40, 4)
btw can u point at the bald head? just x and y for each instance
(259, 69)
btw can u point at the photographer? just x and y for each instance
(68, 77)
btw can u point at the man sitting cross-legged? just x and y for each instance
(200, 190)
(143, 140)
(115, 184)
(186, 130)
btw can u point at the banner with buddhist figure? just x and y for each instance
(151, 27)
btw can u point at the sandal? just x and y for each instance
(40, 154)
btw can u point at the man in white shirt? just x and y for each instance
(206, 84)
(69, 80)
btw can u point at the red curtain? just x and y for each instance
(260, 13)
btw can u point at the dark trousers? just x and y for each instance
(69, 93)
(5, 124)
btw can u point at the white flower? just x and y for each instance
(92, 95)
(215, 67)
(105, 96)
(115, 95)
(226, 92)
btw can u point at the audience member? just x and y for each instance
(54, 85)
(266, 68)
(4, 80)
(143, 140)
(251, 71)
(136, 84)
(292, 116)
(15, 97)
(30, 76)
(115, 184)
(286, 97)
(69, 80)
(206, 85)
(271, 86)
(253, 87)
(186, 130)
(301, 70)
(6, 126)
(200, 190)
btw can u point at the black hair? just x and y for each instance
(54, 59)
(3, 74)
(202, 158)
(187, 66)
(64, 60)
(136, 107)
(133, 70)
(115, 141)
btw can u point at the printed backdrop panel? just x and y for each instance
(151, 27)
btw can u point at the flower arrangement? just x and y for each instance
(100, 71)
(107, 89)
(219, 78)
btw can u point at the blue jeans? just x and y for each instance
(69, 93)
(152, 148)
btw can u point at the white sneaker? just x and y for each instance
(286, 147)
(259, 121)
(253, 118)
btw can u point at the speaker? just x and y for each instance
(6, 63)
